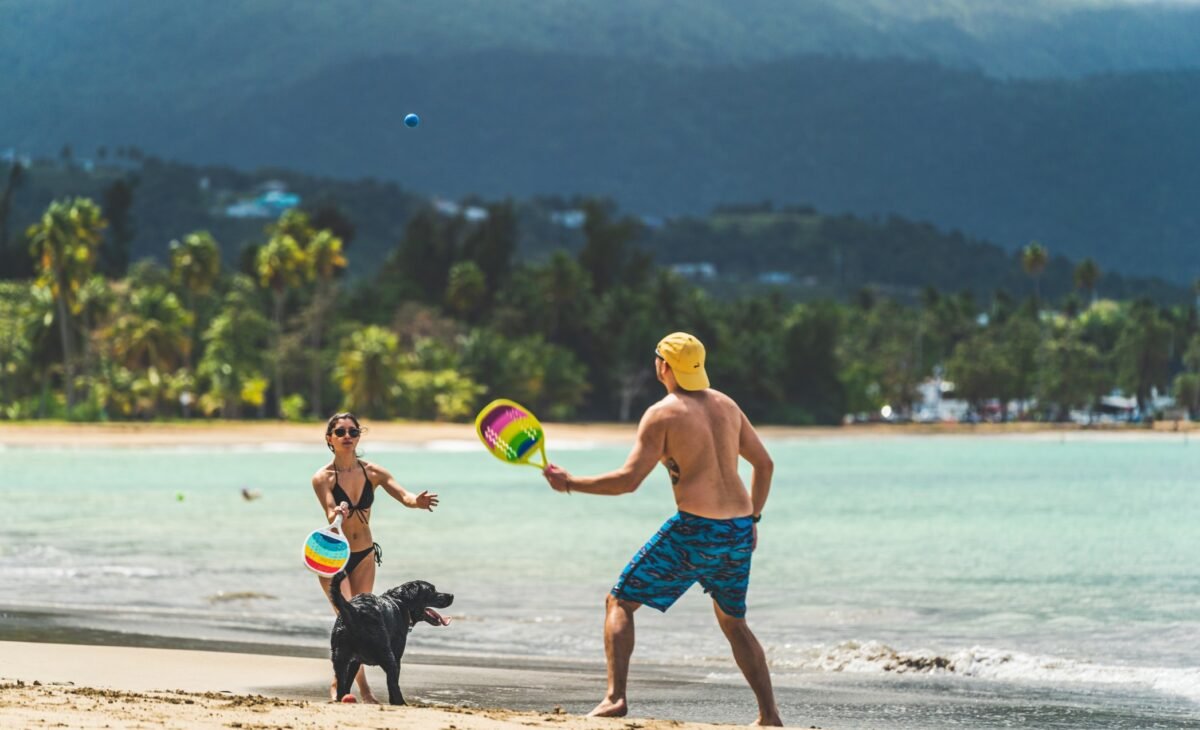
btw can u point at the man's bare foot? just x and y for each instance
(608, 708)
(367, 697)
(775, 721)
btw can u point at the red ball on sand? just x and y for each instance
(349, 699)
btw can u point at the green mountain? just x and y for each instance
(670, 108)
(1099, 167)
(795, 251)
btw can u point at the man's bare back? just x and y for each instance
(700, 450)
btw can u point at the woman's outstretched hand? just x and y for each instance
(425, 500)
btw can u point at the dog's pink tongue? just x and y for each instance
(437, 617)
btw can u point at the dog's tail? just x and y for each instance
(339, 601)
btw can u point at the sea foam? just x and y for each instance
(873, 657)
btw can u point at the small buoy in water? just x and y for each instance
(179, 496)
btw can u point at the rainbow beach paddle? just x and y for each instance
(326, 551)
(511, 433)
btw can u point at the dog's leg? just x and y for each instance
(392, 669)
(345, 671)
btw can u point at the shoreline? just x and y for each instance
(222, 434)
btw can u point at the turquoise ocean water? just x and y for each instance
(899, 582)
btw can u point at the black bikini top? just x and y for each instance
(365, 500)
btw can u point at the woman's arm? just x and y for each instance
(382, 477)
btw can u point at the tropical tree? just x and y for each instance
(1187, 384)
(608, 254)
(1073, 373)
(195, 268)
(982, 370)
(548, 378)
(466, 291)
(1143, 352)
(233, 361)
(96, 300)
(810, 381)
(1087, 274)
(492, 244)
(282, 265)
(553, 299)
(326, 262)
(151, 331)
(367, 366)
(1034, 258)
(64, 244)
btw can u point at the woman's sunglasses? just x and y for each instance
(354, 432)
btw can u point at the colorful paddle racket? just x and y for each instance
(511, 433)
(326, 550)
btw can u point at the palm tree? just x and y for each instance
(1087, 273)
(195, 266)
(366, 369)
(1033, 260)
(466, 290)
(95, 302)
(64, 244)
(152, 331)
(281, 265)
(233, 352)
(326, 261)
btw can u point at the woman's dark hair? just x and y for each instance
(334, 419)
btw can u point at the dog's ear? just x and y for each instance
(410, 591)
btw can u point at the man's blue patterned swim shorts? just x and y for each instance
(689, 549)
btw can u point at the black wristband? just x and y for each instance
(756, 518)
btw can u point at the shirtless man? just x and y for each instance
(698, 434)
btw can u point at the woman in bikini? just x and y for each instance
(346, 486)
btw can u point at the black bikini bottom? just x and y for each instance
(361, 555)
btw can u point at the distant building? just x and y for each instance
(272, 202)
(446, 207)
(574, 218)
(775, 277)
(451, 209)
(936, 403)
(278, 201)
(475, 214)
(247, 209)
(698, 270)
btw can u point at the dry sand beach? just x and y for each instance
(59, 685)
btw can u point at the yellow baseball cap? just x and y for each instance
(685, 354)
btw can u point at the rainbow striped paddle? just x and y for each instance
(326, 551)
(511, 433)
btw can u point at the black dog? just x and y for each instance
(373, 629)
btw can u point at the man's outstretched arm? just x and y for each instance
(651, 439)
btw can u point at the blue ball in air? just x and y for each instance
(412, 120)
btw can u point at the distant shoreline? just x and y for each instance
(242, 433)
